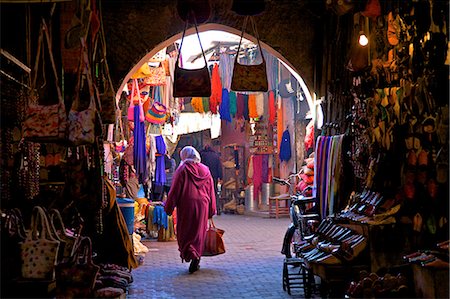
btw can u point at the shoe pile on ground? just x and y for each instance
(374, 286)
(113, 281)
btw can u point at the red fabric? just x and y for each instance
(309, 137)
(272, 108)
(257, 176)
(216, 90)
(192, 193)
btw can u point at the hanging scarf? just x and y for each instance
(139, 152)
(246, 117)
(272, 107)
(216, 90)
(226, 69)
(240, 106)
(252, 106)
(205, 104)
(160, 173)
(259, 101)
(233, 104)
(224, 108)
(197, 104)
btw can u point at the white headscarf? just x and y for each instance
(190, 154)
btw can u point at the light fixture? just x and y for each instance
(363, 40)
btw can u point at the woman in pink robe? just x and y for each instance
(192, 193)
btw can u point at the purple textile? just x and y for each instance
(265, 168)
(139, 152)
(257, 176)
(240, 105)
(160, 173)
(245, 114)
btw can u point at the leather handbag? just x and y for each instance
(45, 123)
(81, 129)
(39, 251)
(191, 83)
(249, 77)
(76, 277)
(214, 244)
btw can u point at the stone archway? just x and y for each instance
(134, 29)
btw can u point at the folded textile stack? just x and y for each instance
(306, 182)
(113, 281)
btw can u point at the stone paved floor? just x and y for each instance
(251, 267)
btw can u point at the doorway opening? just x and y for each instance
(237, 138)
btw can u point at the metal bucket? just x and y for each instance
(266, 192)
(249, 202)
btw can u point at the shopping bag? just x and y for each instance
(39, 251)
(214, 244)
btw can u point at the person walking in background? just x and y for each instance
(192, 193)
(170, 166)
(212, 159)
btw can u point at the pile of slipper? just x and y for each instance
(374, 286)
(113, 281)
(306, 182)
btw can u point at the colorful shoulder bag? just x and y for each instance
(45, 123)
(249, 77)
(191, 83)
(82, 123)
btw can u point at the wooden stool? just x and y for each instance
(275, 208)
(295, 276)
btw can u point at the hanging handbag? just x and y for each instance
(214, 244)
(157, 114)
(156, 76)
(45, 123)
(39, 251)
(249, 77)
(191, 83)
(67, 238)
(76, 277)
(81, 129)
(135, 96)
(109, 109)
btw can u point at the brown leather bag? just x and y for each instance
(214, 244)
(249, 77)
(191, 83)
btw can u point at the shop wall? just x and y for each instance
(133, 28)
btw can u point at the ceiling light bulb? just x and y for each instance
(363, 41)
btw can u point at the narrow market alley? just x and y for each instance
(250, 268)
